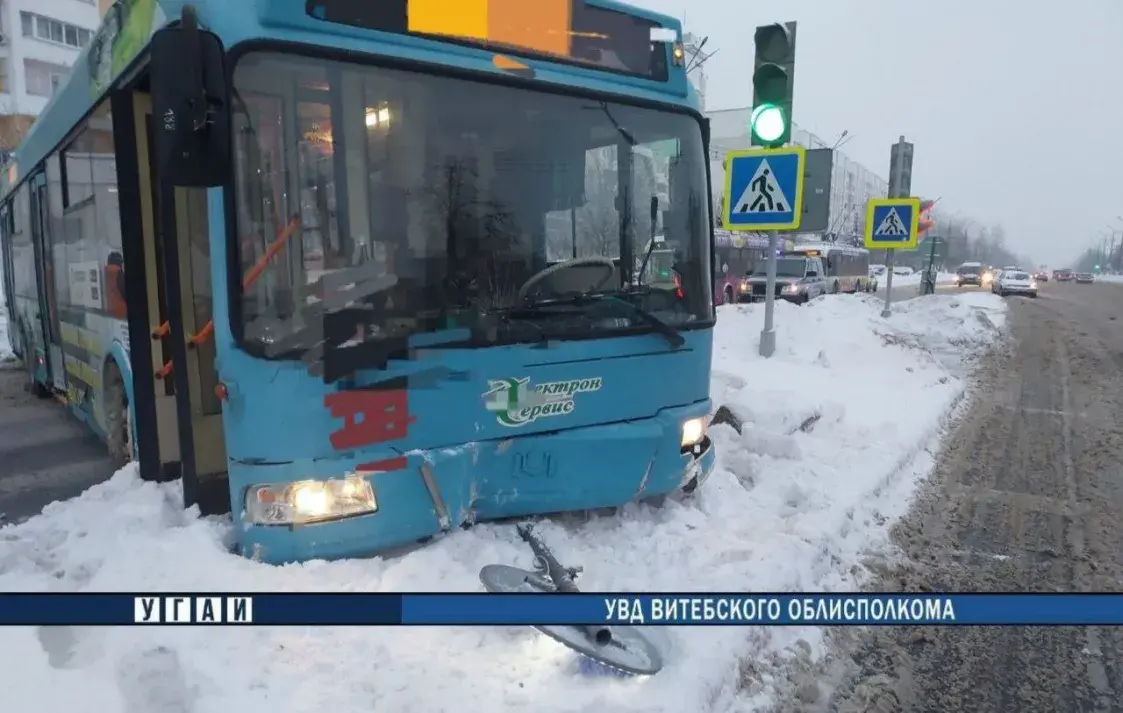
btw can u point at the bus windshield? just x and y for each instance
(375, 205)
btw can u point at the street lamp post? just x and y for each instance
(1115, 257)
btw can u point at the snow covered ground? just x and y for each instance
(942, 278)
(788, 509)
(1110, 278)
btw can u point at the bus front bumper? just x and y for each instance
(433, 491)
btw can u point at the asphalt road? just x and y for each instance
(1027, 495)
(45, 454)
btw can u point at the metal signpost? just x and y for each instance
(900, 185)
(928, 283)
(764, 192)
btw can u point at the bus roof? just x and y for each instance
(129, 24)
(727, 239)
(826, 248)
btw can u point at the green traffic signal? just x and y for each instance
(769, 123)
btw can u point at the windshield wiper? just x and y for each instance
(669, 333)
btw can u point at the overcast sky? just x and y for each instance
(1015, 106)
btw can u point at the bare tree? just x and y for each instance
(13, 126)
(593, 229)
(479, 234)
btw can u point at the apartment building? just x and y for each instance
(39, 42)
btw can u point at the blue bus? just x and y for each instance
(362, 273)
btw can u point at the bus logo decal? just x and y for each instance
(516, 403)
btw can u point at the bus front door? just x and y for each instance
(176, 251)
(44, 263)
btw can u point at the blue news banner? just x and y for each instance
(118, 609)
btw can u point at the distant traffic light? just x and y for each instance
(773, 84)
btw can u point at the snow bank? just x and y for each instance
(942, 278)
(832, 447)
(1118, 279)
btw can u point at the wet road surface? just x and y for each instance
(45, 453)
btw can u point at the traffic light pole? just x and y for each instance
(771, 126)
(900, 184)
(768, 334)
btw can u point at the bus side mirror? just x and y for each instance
(190, 105)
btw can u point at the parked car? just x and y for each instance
(902, 271)
(1085, 278)
(1016, 282)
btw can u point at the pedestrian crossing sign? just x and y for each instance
(892, 223)
(763, 189)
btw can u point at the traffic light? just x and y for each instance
(773, 83)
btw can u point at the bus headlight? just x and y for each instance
(693, 431)
(309, 501)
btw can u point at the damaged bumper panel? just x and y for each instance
(379, 502)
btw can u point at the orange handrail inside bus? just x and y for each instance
(251, 277)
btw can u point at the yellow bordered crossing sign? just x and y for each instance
(763, 189)
(892, 223)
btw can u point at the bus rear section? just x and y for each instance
(737, 258)
(847, 267)
(450, 285)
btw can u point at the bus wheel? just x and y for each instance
(118, 424)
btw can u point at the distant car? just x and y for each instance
(902, 271)
(1063, 275)
(1085, 278)
(969, 273)
(1014, 282)
(1042, 276)
(877, 270)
